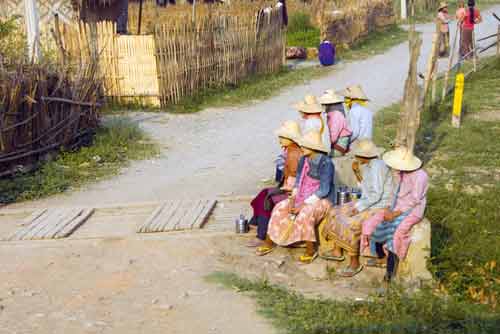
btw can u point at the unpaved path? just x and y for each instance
(228, 151)
(155, 284)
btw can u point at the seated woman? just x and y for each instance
(339, 131)
(289, 135)
(391, 227)
(294, 219)
(344, 226)
(310, 111)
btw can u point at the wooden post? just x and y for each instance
(498, 41)
(431, 63)
(194, 11)
(32, 30)
(434, 82)
(409, 121)
(140, 18)
(457, 100)
(474, 51)
(450, 63)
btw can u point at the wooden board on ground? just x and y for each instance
(52, 223)
(178, 215)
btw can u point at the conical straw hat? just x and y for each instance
(290, 130)
(442, 5)
(330, 97)
(402, 159)
(309, 106)
(312, 140)
(367, 149)
(354, 92)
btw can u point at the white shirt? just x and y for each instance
(361, 122)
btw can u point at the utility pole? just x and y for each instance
(32, 30)
(404, 10)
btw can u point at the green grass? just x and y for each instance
(114, 145)
(397, 313)
(376, 42)
(301, 32)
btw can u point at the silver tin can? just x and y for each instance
(241, 225)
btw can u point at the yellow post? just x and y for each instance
(457, 101)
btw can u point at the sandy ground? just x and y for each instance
(155, 284)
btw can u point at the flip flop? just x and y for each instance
(255, 243)
(374, 262)
(307, 259)
(332, 257)
(263, 250)
(349, 272)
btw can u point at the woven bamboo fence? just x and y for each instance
(216, 50)
(42, 110)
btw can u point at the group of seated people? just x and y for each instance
(377, 225)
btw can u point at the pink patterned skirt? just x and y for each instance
(283, 231)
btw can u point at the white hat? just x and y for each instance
(402, 159)
(309, 106)
(354, 92)
(312, 140)
(290, 130)
(367, 149)
(330, 97)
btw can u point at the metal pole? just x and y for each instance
(404, 11)
(140, 18)
(32, 30)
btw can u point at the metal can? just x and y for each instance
(355, 193)
(241, 225)
(343, 196)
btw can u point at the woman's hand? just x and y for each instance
(295, 211)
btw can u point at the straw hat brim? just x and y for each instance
(372, 153)
(356, 95)
(331, 99)
(313, 146)
(395, 160)
(442, 5)
(309, 108)
(288, 135)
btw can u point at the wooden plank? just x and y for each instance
(74, 224)
(45, 220)
(143, 227)
(191, 216)
(192, 210)
(27, 224)
(67, 214)
(204, 215)
(166, 212)
(170, 223)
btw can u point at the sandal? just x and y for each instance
(349, 272)
(307, 259)
(255, 243)
(332, 257)
(375, 263)
(263, 250)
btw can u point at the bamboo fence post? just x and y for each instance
(450, 63)
(434, 82)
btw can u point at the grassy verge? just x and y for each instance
(114, 145)
(395, 313)
(264, 86)
(463, 206)
(301, 31)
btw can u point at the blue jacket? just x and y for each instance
(322, 169)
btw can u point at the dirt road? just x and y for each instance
(156, 284)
